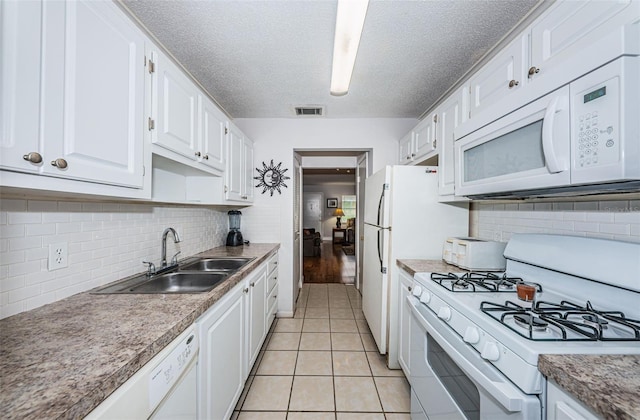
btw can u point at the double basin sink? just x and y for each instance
(193, 275)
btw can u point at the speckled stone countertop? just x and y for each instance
(427, 266)
(607, 384)
(63, 359)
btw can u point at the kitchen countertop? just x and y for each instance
(607, 384)
(427, 266)
(63, 359)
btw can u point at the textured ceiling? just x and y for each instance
(262, 58)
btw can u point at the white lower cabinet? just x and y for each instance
(562, 406)
(221, 364)
(405, 284)
(232, 332)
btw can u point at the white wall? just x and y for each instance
(331, 191)
(106, 242)
(270, 219)
(618, 220)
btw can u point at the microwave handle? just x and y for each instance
(554, 165)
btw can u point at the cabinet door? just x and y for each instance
(258, 313)
(94, 92)
(424, 138)
(20, 49)
(405, 149)
(221, 363)
(175, 108)
(405, 322)
(212, 134)
(450, 115)
(247, 172)
(503, 75)
(234, 172)
(570, 27)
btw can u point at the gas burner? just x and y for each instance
(592, 319)
(460, 285)
(478, 282)
(528, 321)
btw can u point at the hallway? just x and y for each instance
(333, 265)
(323, 364)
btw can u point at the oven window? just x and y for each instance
(517, 151)
(459, 386)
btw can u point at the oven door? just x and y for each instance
(527, 149)
(450, 380)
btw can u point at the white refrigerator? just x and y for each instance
(402, 220)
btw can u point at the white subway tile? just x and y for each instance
(11, 309)
(11, 205)
(81, 217)
(12, 283)
(91, 226)
(17, 244)
(43, 229)
(586, 227)
(71, 227)
(12, 231)
(19, 269)
(578, 216)
(39, 277)
(627, 217)
(41, 300)
(604, 217)
(55, 217)
(562, 225)
(23, 217)
(635, 229)
(3, 217)
(24, 293)
(42, 206)
(624, 238)
(53, 285)
(616, 229)
(599, 235)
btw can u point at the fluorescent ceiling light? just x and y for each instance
(349, 23)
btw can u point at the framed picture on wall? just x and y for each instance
(332, 203)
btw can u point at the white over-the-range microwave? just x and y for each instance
(583, 138)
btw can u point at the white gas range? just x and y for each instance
(475, 345)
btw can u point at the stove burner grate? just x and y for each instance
(478, 282)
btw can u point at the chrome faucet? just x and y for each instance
(176, 239)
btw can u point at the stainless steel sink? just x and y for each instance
(194, 275)
(214, 264)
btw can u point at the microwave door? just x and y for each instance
(527, 149)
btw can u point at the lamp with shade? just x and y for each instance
(338, 213)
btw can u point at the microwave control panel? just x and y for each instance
(596, 138)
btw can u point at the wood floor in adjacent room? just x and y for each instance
(332, 266)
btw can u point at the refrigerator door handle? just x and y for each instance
(381, 251)
(380, 206)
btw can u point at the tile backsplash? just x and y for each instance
(617, 220)
(106, 242)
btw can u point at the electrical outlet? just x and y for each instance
(58, 256)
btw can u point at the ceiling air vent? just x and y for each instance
(309, 111)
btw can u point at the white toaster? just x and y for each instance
(474, 254)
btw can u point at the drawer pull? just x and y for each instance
(59, 163)
(33, 157)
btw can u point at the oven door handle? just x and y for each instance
(510, 397)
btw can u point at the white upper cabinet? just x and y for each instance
(239, 183)
(81, 107)
(450, 115)
(501, 77)
(572, 28)
(406, 145)
(424, 137)
(20, 46)
(213, 126)
(174, 109)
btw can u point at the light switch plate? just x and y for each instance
(58, 256)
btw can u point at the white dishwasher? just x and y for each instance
(164, 388)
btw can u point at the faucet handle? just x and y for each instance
(151, 269)
(174, 259)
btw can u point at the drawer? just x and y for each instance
(272, 263)
(272, 280)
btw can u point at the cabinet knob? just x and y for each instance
(206, 156)
(253, 284)
(59, 163)
(513, 83)
(33, 157)
(533, 70)
(408, 157)
(435, 143)
(409, 288)
(413, 155)
(245, 290)
(198, 154)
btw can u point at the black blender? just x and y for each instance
(234, 238)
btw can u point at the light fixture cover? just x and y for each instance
(349, 23)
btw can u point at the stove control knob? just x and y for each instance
(471, 335)
(490, 352)
(416, 291)
(425, 297)
(444, 313)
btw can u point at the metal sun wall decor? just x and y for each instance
(271, 178)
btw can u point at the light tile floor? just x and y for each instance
(323, 364)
